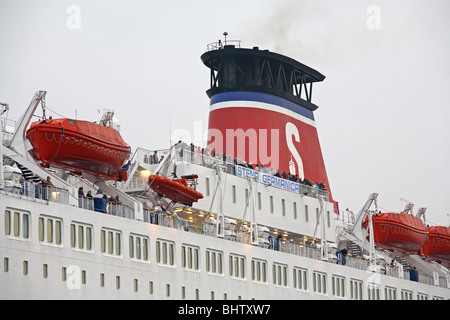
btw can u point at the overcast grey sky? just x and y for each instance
(383, 108)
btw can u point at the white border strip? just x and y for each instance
(261, 105)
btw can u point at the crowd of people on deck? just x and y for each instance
(205, 152)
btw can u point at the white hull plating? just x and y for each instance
(34, 269)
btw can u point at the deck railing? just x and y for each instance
(38, 191)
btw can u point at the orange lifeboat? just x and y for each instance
(176, 190)
(79, 146)
(438, 244)
(400, 231)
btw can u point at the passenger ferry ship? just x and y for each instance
(265, 226)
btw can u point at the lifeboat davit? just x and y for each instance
(177, 190)
(438, 244)
(79, 146)
(398, 231)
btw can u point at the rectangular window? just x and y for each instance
(283, 207)
(390, 293)
(150, 287)
(328, 219)
(259, 201)
(271, 204)
(237, 266)
(25, 267)
(80, 236)
(165, 252)
(356, 289)
(319, 282)
(338, 286)
(422, 296)
(138, 247)
(300, 278)
(45, 270)
(295, 210)
(7, 222)
(207, 186)
(406, 295)
(279, 274)
(102, 279)
(306, 213)
(373, 291)
(17, 224)
(190, 257)
(233, 193)
(214, 261)
(111, 242)
(259, 270)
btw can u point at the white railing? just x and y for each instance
(35, 191)
(237, 167)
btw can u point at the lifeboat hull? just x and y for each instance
(398, 231)
(79, 146)
(177, 190)
(438, 244)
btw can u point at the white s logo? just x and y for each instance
(292, 131)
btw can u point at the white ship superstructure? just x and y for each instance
(254, 235)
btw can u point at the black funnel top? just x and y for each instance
(240, 69)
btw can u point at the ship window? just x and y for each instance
(8, 222)
(207, 186)
(17, 224)
(295, 210)
(271, 204)
(406, 295)
(81, 236)
(259, 270)
(390, 293)
(214, 261)
(355, 289)
(319, 282)
(300, 278)
(233, 193)
(237, 266)
(328, 219)
(338, 286)
(165, 252)
(283, 207)
(138, 246)
(189, 257)
(373, 291)
(306, 213)
(279, 274)
(102, 279)
(45, 270)
(50, 230)
(422, 296)
(259, 200)
(111, 242)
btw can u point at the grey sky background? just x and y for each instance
(383, 108)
